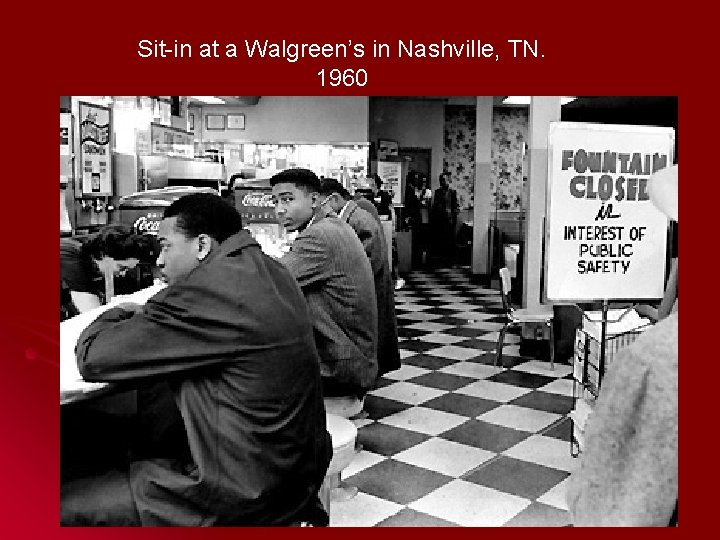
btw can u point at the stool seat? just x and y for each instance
(344, 406)
(343, 434)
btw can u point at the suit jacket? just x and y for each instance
(373, 240)
(444, 207)
(234, 341)
(369, 207)
(329, 262)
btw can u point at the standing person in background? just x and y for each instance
(424, 194)
(443, 220)
(417, 206)
(383, 202)
(628, 473)
(411, 215)
(372, 237)
(329, 263)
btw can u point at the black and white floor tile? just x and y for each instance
(450, 439)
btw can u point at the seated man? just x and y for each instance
(231, 337)
(328, 261)
(372, 237)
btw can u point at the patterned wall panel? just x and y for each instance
(508, 169)
(459, 151)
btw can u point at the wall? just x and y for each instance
(447, 127)
(509, 170)
(412, 123)
(459, 151)
(295, 119)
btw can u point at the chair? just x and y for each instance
(540, 314)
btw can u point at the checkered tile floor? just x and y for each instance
(450, 439)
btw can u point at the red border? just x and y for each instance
(608, 48)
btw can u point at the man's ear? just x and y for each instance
(205, 245)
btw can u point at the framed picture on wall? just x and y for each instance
(386, 149)
(236, 121)
(215, 122)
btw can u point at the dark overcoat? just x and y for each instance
(373, 240)
(234, 340)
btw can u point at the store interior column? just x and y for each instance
(543, 110)
(481, 189)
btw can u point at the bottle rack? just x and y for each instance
(590, 361)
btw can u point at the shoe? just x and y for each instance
(399, 284)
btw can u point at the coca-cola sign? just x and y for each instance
(145, 225)
(258, 199)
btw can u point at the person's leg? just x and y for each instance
(443, 248)
(98, 501)
(452, 244)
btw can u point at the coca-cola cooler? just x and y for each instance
(253, 199)
(143, 210)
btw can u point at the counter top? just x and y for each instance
(72, 386)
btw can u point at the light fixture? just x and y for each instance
(525, 100)
(209, 100)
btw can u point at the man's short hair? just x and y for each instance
(302, 178)
(205, 213)
(378, 180)
(329, 186)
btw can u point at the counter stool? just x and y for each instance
(350, 407)
(345, 406)
(343, 434)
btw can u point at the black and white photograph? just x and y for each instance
(369, 311)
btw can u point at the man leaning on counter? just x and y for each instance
(231, 339)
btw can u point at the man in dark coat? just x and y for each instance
(231, 337)
(372, 237)
(443, 220)
(329, 262)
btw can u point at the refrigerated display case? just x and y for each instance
(143, 210)
(253, 199)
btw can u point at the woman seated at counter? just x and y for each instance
(84, 263)
(230, 341)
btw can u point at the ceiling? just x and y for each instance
(633, 110)
(229, 100)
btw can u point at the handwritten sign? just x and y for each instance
(606, 240)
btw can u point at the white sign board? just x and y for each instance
(605, 239)
(389, 172)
